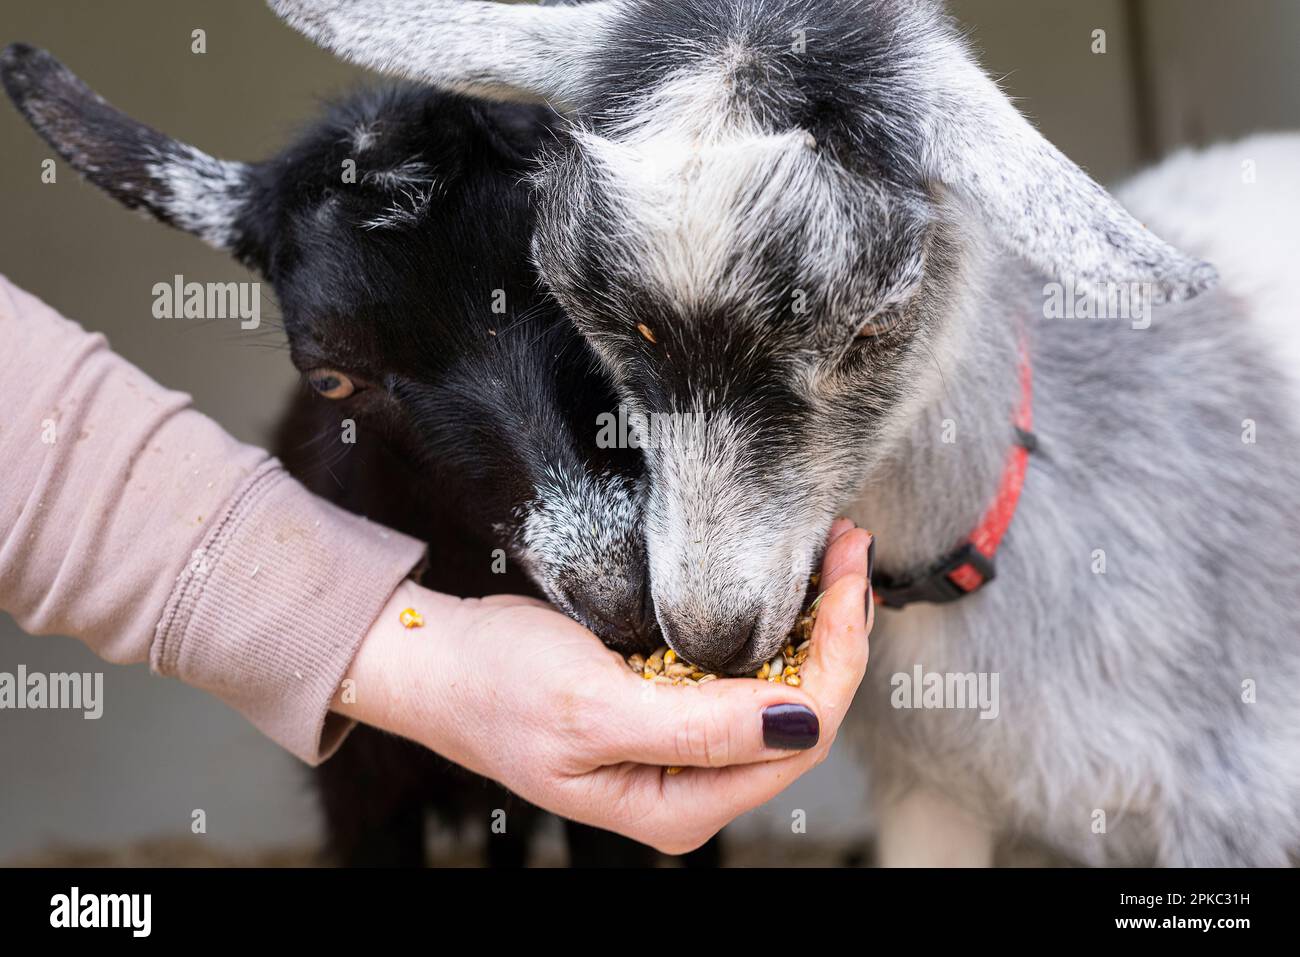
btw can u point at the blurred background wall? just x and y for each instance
(1175, 72)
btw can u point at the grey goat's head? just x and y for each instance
(760, 215)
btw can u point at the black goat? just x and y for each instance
(395, 233)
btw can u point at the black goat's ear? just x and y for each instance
(134, 163)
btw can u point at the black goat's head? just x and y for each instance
(395, 233)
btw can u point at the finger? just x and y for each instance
(846, 553)
(677, 813)
(694, 805)
(837, 659)
(719, 723)
(838, 528)
(699, 801)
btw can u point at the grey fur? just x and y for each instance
(925, 200)
(488, 49)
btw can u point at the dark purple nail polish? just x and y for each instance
(790, 727)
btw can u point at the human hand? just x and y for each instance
(512, 689)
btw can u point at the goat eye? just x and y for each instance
(873, 327)
(331, 383)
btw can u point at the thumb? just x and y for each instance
(724, 722)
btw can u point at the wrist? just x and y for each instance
(396, 681)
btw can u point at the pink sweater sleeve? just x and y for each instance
(137, 525)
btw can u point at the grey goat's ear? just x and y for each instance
(134, 163)
(1039, 204)
(497, 50)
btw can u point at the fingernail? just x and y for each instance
(844, 531)
(790, 727)
(871, 558)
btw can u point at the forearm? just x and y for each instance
(137, 525)
(103, 469)
(271, 609)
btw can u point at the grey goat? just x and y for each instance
(844, 243)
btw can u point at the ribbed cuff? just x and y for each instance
(271, 610)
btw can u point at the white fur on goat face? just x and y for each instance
(731, 536)
(582, 534)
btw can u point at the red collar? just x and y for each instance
(970, 566)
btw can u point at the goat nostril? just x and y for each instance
(620, 615)
(743, 648)
(724, 649)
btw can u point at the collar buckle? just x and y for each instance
(963, 571)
